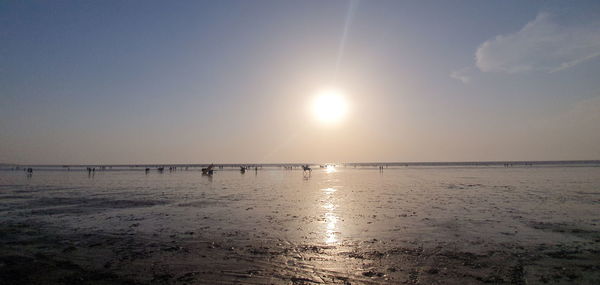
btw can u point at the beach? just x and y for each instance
(452, 224)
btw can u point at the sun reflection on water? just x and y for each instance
(330, 168)
(331, 218)
(329, 206)
(329, 190)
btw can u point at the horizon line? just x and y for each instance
(468, 162)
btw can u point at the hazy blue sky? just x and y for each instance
(232, 81)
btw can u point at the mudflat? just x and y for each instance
(413, 225)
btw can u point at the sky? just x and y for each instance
(123, 82)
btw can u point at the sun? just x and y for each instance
(330, 106)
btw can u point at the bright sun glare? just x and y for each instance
(330, 106)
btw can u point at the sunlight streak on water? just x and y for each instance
(330, 169)
(329, 190)
(331, 218)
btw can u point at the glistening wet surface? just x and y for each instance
(344, 225)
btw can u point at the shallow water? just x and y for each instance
(423, 204)
(464, 208)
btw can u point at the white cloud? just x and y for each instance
(463, 74)
(541, 45)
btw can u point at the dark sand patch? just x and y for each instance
(201, 203)
(79, 205)
(94, 202)
(8, 196)
(567, 229)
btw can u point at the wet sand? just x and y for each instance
(421, 225)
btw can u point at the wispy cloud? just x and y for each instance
(463, 74)
(541, 45)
